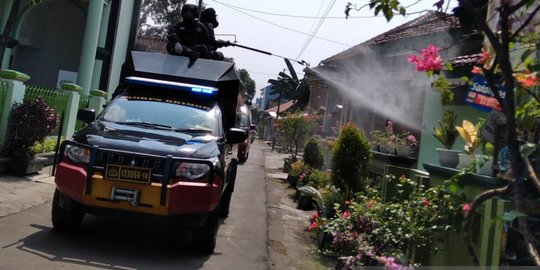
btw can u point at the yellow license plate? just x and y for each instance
(127, 173)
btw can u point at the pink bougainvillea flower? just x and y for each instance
(314, 216)
(477, 70)
(483, 57)
(466, 207)
(429, 59)
(425, 202)
(345, 215)
(411, 138)
(413, 59)
(313, 226)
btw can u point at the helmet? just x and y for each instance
(208, 15)
(189, 12)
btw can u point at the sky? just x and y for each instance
(283, 27)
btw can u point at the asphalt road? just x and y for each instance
(27, 240)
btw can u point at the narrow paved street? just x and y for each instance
(28, 242)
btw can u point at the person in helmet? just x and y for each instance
(209, 19)
(188, 37)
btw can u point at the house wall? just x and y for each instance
(379, 85)
(48, 44)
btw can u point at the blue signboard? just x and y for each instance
(480, 96)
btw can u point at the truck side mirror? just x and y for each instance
(253, 127)
(236, 135)
(86, 115)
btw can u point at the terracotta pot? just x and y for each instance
(448, 157)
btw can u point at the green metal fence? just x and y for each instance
(3, 90)
(55, 98)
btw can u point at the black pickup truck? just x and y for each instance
(162, 147)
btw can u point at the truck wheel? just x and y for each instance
(203, 239)
(227, 194)
(66, 213)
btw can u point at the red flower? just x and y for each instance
(314, 216)
(528, 80)
(483, 57)
(313, 226)
(477, 70)
(466, 207)
(425, 202)
(345, 215)
(347, 202)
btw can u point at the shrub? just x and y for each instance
(293, 128)
(313, 155)
(297, 168)
(350, 160)
(29, 122)
(315, 178)
(47, 146)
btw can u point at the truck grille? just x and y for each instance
(157, 165)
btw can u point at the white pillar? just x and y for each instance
(72, 107)
(14, 94)
(90, 43)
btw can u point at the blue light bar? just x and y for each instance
(173, 85)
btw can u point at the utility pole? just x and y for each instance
(277, 118)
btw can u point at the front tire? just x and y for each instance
(66, 213)
(203, 239)
(227, 194)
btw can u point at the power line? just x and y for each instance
(321, 21)
(281, 26)
(296, 16)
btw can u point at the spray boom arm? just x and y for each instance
(302, 62)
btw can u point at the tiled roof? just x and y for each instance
(432, 22)
(283, 107)
(153, 43)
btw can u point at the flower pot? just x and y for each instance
(25, 167)
(464, 160)
(384, 148)
(487, 167)
(292, 180)
(448, 157)
(403, 150)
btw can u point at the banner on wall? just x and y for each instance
(480, 96)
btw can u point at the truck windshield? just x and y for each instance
(162, 113)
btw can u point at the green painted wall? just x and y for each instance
(433, 112)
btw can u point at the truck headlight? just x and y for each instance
(77, 154)
(191, 171)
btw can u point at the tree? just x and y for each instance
(519, 78)
(157, 15)
(249, 85)
(291, 87)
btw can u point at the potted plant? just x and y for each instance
(469, 133)
(384, 141)
(29, 122)
(447, 134)
(405, 144)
